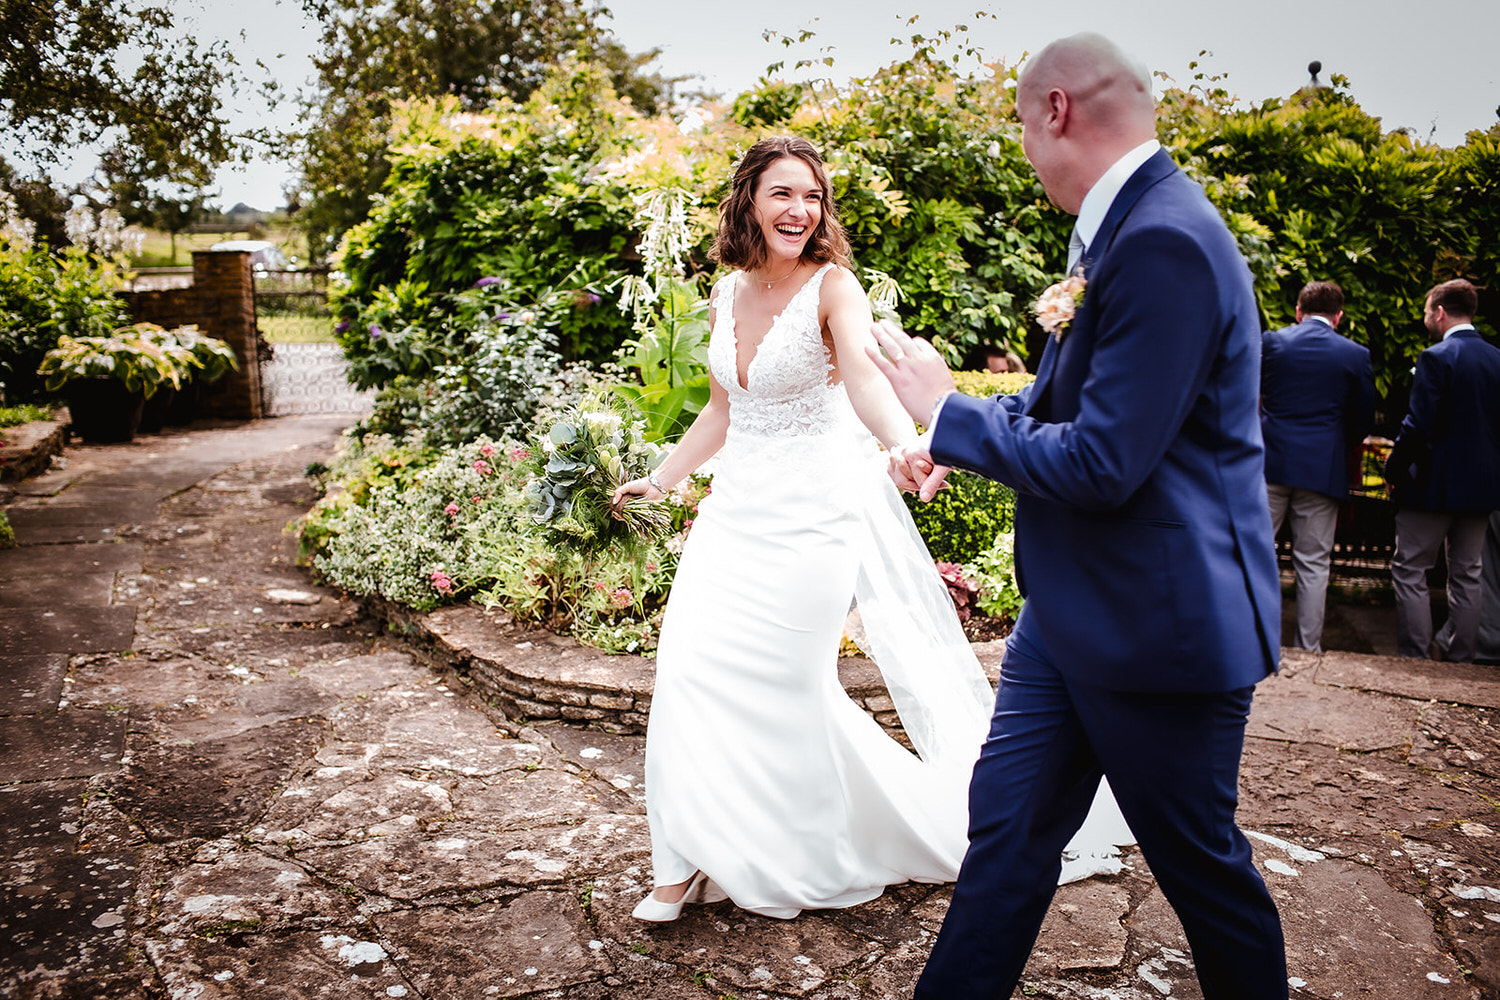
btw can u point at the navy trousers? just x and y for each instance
(1173, 763)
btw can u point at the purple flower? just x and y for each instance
(343, 325)
(486, 282)
(502, 315)
(376, 332)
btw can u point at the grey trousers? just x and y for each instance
(1314, 517)
(1488, 646)
(1419, 536)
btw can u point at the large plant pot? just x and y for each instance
(103, 410)
(158, 405)
(183, 408)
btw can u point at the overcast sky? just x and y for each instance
(1430, 67)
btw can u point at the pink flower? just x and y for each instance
(486, 450)
(482, 467)
(451, 509)
(620, 597)
(960, 588)
(652, 567)
(442, 582)
(476, 499)
(519, 454)
(598, 585)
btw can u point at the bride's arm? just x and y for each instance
(702, 440)
(846, 313)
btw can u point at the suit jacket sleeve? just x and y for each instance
(1151, 360)
(1361, 409)
(1423, 419)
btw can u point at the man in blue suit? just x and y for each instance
(1317, 401)
(1143, 544)
(1444, 473)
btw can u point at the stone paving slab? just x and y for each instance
(34, 562)
(66, 629)
(51, 591)
(41, 818)
(1295, 707)
(71, 743)
(1423, 680)
(61, 913)
(31, 683)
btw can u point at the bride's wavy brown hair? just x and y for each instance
(739, 242)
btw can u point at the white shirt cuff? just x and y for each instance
(937, 410)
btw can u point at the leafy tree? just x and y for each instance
(65, 82)
(1338, 200)
(377, 53)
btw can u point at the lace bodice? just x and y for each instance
(788, 392)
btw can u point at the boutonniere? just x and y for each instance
(1056, 306)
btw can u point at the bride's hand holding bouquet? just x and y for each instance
(582, 462)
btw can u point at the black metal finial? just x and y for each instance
(1313, 68)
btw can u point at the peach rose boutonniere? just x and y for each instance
(1056, 306)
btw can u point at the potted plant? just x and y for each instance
(202, 359)
(106, 380)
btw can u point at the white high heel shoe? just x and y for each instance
(700, 889)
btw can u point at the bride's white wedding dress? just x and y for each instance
(760, 771)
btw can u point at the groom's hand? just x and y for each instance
(914, 471)
(913, 367)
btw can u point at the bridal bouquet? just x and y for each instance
(587, 451)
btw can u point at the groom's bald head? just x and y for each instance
(1083, 104)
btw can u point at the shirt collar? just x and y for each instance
(1321, 319)
(1102, 195)
(1457, 327)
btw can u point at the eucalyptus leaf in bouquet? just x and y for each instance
(578, 460)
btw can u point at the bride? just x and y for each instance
(765, 784)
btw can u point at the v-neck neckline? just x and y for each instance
(742, 379)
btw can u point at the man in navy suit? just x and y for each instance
(1143, 545)
(1444, 473)
(1317, 401)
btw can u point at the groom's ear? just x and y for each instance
(1058, 107)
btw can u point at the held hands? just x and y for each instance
(913, 470)
(920, 378)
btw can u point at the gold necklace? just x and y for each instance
(777, 281)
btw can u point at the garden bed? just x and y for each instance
(26, 450)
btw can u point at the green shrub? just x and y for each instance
(7, 533)
(994, 570)
(26, 413)
(963, 520)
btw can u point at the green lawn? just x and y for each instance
(296, 329)
(157, 250)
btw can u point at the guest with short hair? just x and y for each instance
(1317, 401)
(1444, 472)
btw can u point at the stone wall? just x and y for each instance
(221, 301)
(536, 674)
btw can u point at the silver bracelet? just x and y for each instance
(656, 483)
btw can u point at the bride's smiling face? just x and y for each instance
(788, 207)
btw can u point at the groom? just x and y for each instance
(1143, 544)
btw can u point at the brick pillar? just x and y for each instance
(225, 285)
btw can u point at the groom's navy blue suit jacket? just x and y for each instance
(1143, 538)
